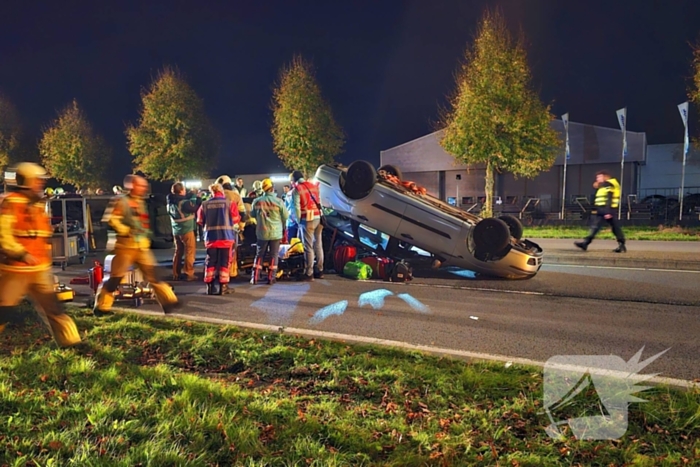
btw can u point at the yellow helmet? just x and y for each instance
(25, 173)
(49, 192)
(267, 185)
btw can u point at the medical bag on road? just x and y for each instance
(357, 270)
(381, 267)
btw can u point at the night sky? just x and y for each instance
(385, 66)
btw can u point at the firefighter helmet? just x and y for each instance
(49, 192)
(25, 173)
(224, 179)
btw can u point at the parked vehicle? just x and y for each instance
(378, 199)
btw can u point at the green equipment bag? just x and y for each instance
(357, 270)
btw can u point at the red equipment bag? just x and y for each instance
(381, 267)
(343, 255)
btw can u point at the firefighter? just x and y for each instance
(607, 201)
(25, 265)
(271, 218)
(308, 213)
(128, 216)
(218, 216)
(233, 197)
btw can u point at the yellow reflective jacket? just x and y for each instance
(608, 194)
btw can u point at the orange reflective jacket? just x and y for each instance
(24, 230)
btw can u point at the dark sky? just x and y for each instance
(385, 66)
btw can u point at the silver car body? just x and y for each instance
(426, 223)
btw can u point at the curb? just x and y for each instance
(635, 263)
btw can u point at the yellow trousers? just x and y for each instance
(40, 289)
(124, 258)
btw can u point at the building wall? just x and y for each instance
(592, 149)
(662, 172)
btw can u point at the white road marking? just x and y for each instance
(334, 336)
(558, 265)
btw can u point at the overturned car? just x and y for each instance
(379, 200)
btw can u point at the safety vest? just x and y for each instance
(309, 198)
(24, 229)
(218, 224)
(180, 222)
(610, 186)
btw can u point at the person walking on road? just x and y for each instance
(182, 209)
(218, 216)
(271, 218)
(25, 259)
(128, 216)
(607, 201)
(308, 213)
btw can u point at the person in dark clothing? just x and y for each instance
(607, 201)
(182, 208)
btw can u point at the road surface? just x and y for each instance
(562, 311)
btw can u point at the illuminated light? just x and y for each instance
(280, 301)
(334, 309)
(414, 303)
(192, 184)
(279, 178)
(374, 298)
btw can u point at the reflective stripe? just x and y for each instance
(32, 233)
(36, 268)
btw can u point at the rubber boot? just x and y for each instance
(272, 276)
(256, 273)
(621, 248)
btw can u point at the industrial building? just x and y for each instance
(647, 169)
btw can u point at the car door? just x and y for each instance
(429, 229)
(383, 210)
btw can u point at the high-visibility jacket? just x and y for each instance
(306, 199)
(129, 217)
(608, 194)
(219, 217)
(25, 228)
(182, 210)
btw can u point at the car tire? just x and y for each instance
(491, 236)
(514, 225)
(359, 180)
(392, 170)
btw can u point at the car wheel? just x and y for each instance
(359, 180)
(491, 236)
(514, 225)
(391, 170)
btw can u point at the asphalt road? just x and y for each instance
(562, 311)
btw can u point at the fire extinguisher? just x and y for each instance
(96, 276)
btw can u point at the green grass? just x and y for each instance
(631, 232)
(157, 392)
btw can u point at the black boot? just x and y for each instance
(621, 248)
(582, 245)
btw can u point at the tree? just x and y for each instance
(304, 132)
(174, 139)
(495, 118)
(72, 152)
(10, 133)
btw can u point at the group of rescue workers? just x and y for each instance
(25, 232)
(223, 218)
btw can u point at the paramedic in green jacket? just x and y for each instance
(271, 217)
(182, 208)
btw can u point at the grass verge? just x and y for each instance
(631, 232)
(147, 391)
